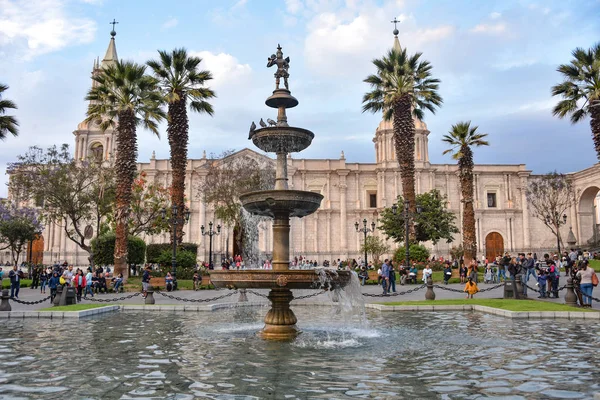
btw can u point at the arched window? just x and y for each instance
(97, 152)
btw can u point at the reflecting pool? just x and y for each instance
(451, 355)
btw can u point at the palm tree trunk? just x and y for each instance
(465, 167)
(125, 168)
(595, 125)
(177, 131)
(404, 142)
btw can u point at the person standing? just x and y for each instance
(53, 284)
(78, 282)
(43, 281)
(15, 276)
(447, 273)
(529, 265)
(35, 277)
(586, 285)
(385, 277)
(392, 277)
(1, 277)
(145, 281)
(88, 283)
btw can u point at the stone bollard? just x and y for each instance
(70, 296)
(150, 296)
(429, 294)
(518, 288)
(56, 301)
(4, 304)
(508, 290)
(243, 297)
(570, 296)
(63, 296)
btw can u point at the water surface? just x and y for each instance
(450, 355)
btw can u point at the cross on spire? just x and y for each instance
(113, 23)
(395, 21)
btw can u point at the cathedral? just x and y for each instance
(353, 192)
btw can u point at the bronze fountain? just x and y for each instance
(281, 204)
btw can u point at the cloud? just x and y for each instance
(489, 28)
(293, 6)
(170, 23)
(495, 15)
(224, 67)
(239, 4)
(35, 28)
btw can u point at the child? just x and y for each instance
(489, 274)
(542, 278)
(470, 288)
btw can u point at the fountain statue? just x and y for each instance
(281, 204)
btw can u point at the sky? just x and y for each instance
(496, 61)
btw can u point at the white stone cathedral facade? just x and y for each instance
(354, 191)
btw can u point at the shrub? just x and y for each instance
(418, 253)
(186, 263)
(103, 249)
(154, 251)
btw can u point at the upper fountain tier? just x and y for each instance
(279, 137)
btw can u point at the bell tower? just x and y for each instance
(90, 141)
(385, 152)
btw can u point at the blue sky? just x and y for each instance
(497, 61)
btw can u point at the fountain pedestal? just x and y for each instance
(280, 321)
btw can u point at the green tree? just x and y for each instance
(434, 223)
(69, 193)
(580, 90)
(123, 98)
(375, 246)
(8, 123)
(461, 138)
(403, 88)
(18, 226)
(186, 263)
(181, 81)
(103, 249)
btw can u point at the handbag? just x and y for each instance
(594, 279)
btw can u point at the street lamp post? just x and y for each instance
(557, 220)
(210, 234)
(174, 221)
(365, 230)
(407, 215)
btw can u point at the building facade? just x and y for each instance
(353, 192)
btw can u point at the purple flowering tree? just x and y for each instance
(18, 226)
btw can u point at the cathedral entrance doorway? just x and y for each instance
(494, 246)
(35, 253)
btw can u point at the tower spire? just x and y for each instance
(396, 46)
(111, 52)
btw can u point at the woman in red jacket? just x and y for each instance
(79, 283)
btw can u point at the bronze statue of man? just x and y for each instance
(283, 64)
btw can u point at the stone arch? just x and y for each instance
(494, 244)
(587, 215)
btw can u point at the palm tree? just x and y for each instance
(8, 123)
(461, 138)
(580, 90)
(403, 88)
(124, 98)
(181, 80)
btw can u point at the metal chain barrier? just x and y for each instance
(256, 293)
(112, 300)
(30, 303)
(591, 297)
(309, 295)
(195, 300)
(449, 289)
(396, 294)
(492, 288)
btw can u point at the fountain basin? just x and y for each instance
(290, 279)
(296, 203)
(278, 139)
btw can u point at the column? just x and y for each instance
(525, 213)
(77, 147)
(302, 220)
(383, 201)
(316, 231)
(418, 179)
(356, 176)
(574, 222)
(343, 211)
(329, 232)
(395, 185)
